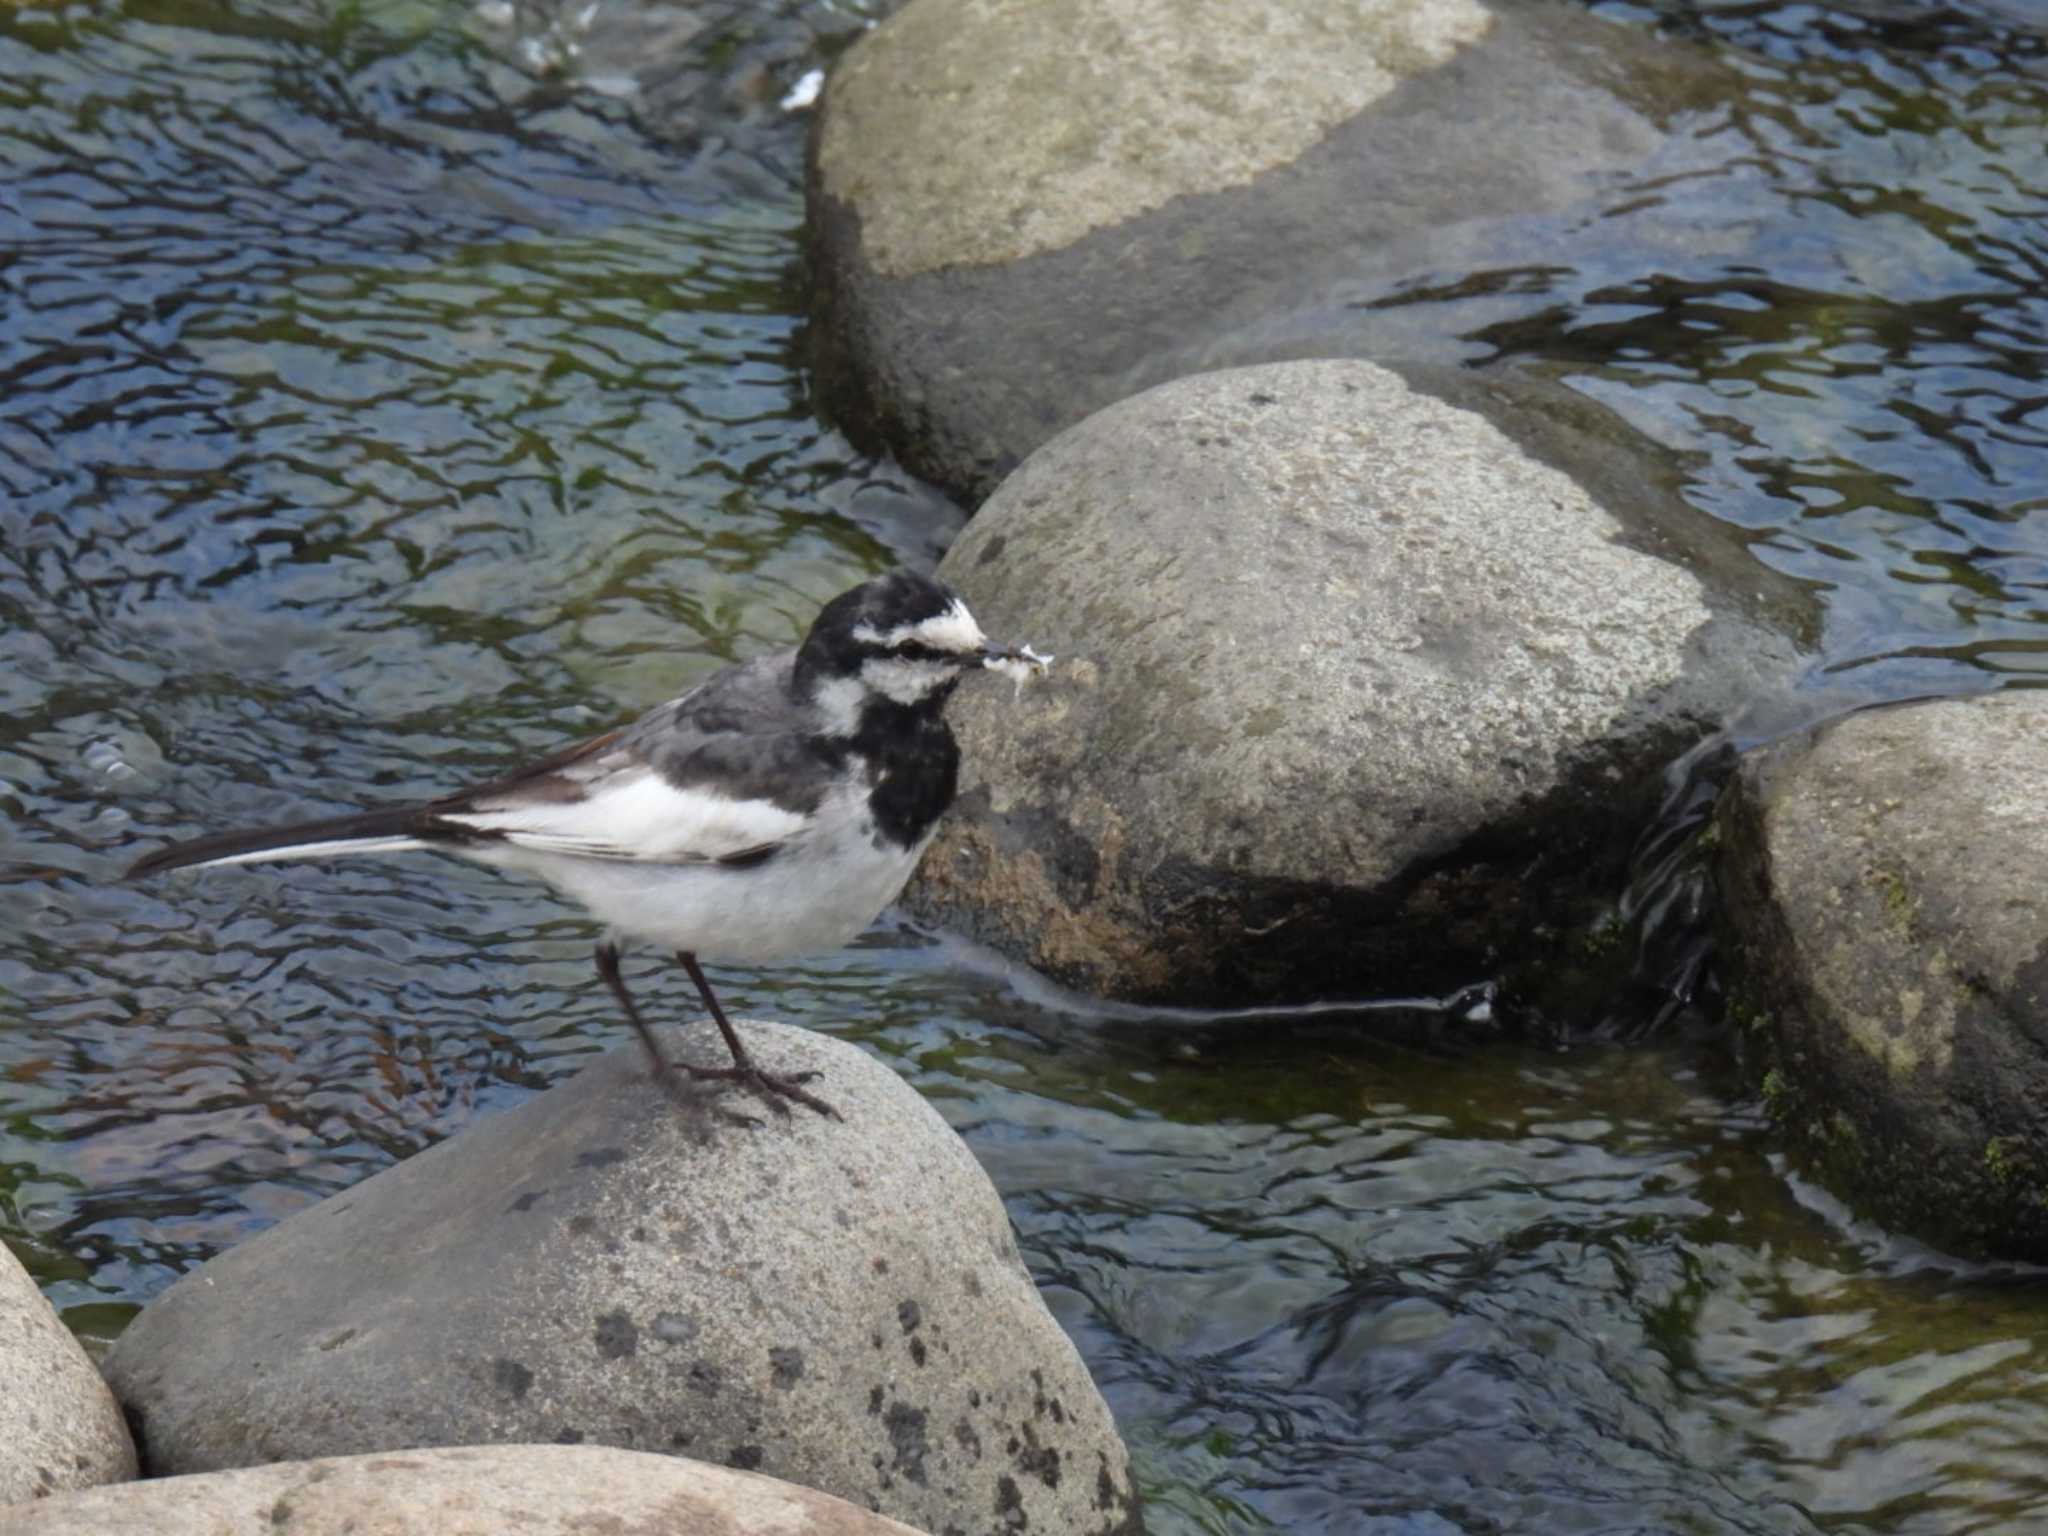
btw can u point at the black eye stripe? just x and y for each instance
(916, 650)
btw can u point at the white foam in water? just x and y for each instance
(106, 760)
(805, 91)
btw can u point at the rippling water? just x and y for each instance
(384, 398)
(1835, 288)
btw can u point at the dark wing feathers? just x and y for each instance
(551, 780)
(740, 735)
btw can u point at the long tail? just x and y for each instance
(392, 831)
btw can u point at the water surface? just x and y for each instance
(390, 392)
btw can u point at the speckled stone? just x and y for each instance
(537, 1490)
(1886, 953)
(60, 1428)
(838, 1303)
(1353, 693)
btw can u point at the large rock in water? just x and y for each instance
(535, 1490)
(1352, 694)
(60, 1427)
(1886, 951)
(1021, 213)
(838, 1303)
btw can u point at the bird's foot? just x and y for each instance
(686, 1096)
(770, 1087)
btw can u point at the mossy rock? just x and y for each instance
(1885, 937)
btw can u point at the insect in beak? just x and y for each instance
(1020, 664)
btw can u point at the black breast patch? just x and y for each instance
(915, 769)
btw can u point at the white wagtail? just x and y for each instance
(773, 810)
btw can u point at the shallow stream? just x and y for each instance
(386, 393)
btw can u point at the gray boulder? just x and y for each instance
(537, 1490)
(838, 1303)
(1021, 213)
(1352, 693)
(1886, 950)
(59, 1425)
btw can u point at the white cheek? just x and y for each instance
(905, 682)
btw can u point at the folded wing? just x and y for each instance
(631, 812)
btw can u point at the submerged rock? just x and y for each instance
(834, 1302)
(60, 1428)
(1886, 948)
(1022, 213)
(537, 1490)
(1353, 693)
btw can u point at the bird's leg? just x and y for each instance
(768, 1085)
(661, 1068)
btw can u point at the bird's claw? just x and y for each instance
(770, 1087)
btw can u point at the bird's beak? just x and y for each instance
(1018, 663)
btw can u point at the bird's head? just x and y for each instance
(901, 639)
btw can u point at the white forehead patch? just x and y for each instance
(953, 630)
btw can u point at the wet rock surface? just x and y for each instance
(1353, 693)
(1886, 943)
(543, 1490)
(838, 1303)
(60, 1428)
(1024, 213)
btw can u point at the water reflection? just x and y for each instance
(378, 411)
(1572, 1297)
(1832, 292)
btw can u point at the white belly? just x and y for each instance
(816, 893)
